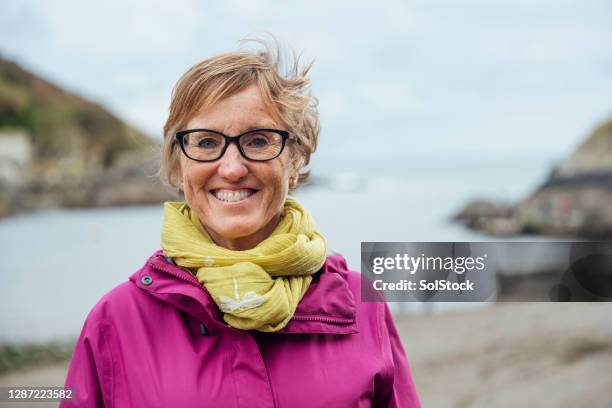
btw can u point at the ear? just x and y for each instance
(293, 181)
(294, 172)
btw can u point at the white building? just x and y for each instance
(15, 155)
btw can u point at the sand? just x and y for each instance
(513, 355)
(506, 355)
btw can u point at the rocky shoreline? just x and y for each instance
(132, 180)
(575, 200)
(579, 206)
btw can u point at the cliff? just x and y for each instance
(59, 149)
(593, 156)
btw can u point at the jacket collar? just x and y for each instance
(327, 307)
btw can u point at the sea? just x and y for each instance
(56, 264)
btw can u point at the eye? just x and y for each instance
(258, 141)
(208, 143)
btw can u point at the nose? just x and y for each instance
(232, 166)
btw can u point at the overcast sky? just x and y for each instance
(433, 79)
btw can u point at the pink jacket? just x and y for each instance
(159, 340)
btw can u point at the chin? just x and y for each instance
(233, 229)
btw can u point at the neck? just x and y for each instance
(248, 241)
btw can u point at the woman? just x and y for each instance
(242, 307)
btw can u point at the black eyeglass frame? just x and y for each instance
(180, 135)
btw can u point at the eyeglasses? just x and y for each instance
(205, 145)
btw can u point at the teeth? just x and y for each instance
(232, 195)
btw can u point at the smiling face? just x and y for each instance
(238, 201)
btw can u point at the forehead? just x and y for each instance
(236, 113)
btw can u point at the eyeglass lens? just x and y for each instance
(257, 145)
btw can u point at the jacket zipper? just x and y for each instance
(318, 318)
(196, 283)
(275, 404)
(203, 329)
(181, 276)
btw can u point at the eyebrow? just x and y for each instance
(259, 126)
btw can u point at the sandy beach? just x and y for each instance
(513, 355)
(506, 355)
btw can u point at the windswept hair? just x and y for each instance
(284, 90)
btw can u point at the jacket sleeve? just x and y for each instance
(396, 387)
(88, 368)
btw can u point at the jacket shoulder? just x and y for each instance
(336, 263)
(116, 302)
(375, 305)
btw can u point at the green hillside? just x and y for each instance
(60, 150)
(62, 124)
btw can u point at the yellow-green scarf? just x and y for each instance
(259, 288)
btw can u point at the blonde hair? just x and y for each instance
(287, 96)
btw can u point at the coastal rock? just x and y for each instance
(576, 199)
(485, 215)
